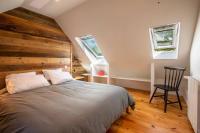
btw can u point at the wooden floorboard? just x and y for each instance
(150, 118)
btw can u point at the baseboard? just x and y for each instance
(142, 85)
(139, 85)
(127, 83)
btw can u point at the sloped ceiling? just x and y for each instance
(6, 5)
(51, 8)
(121, 28)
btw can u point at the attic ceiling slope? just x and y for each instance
(51, 8)
(6, 5)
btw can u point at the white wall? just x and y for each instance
(195, 53)
(195, 62)
(121, 28)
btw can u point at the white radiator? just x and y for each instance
(193, 104)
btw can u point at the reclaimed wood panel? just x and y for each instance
(17, 39)
(17, 51)
(32, 60)
(7, 68)
(77, 68)
(15, 24)
(29, 15)
(31, 42)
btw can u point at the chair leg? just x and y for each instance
(165, 98)
(153, 95)
(127, 110)
(179, 101)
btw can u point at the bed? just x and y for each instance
(70, 107)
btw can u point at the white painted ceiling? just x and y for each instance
(6, 5)
(51, 8)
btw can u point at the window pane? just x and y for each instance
(164, 38)
(91, 44)
(165, 41)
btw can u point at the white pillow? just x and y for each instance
(21, 75)
(19, 84)
(46, 72)
(59, 77)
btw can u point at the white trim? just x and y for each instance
(133, 79)
(122, 78)
(88, 54)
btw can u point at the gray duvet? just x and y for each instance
(71, 107)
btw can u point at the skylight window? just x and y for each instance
(99, 65)
(91, 45)
(164, 41)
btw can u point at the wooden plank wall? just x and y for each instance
(77, 68)
(31, 42)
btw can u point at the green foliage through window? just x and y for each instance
(90, 43)
(164, 38)
(165, 41)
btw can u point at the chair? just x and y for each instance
(173, 77)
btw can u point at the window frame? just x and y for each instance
(88, 48)
(156, 49)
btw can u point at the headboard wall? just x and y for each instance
(31, 42)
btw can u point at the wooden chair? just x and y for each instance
(173, 77)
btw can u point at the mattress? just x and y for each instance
(70, 107)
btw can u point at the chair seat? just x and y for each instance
(163, 87)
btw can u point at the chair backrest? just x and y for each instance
(173, 77)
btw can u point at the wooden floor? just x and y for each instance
(150, 118)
